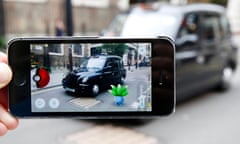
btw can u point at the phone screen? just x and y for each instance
(91, 77)
(118, 77)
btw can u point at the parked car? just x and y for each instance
(96, 73)
(206, 56)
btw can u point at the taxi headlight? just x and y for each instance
(85, 79)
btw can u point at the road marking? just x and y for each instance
(85, 102)
(109, 134)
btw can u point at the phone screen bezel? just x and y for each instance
(20, 95)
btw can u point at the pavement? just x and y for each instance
(56, 77)
(110, 134)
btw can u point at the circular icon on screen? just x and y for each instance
(41, 77)
(40, 103)
(54, 103)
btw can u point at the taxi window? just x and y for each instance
(210, 27)
(189, 25)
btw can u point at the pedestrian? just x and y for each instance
(59, 27)
(7, 121)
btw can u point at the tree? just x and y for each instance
(113, 49)
(2, 26)
(3, 43)
(220, 2)
(2, 23)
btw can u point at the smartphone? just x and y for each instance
(92, 77)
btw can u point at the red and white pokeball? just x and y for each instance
(41, 77)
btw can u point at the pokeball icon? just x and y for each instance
(41, 77)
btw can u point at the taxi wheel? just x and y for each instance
(226, 78)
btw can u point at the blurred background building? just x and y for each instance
(39, 17)
(89, 17)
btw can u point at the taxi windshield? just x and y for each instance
(93, 63)
(149, 23)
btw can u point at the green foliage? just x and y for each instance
(3, 43)
(220, 2)
(119, 90)
(113, 49)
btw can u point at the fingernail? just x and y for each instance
(5, 75)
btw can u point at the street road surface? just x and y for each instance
(55, 99)
(210, 118)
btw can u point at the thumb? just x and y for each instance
(5, 75)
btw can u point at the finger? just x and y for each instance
(7, 119)
(3, 129)
(5, 74)
(4, 97)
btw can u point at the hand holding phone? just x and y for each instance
(92, 77)
(7, 122)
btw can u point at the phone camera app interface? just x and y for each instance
(91, 77)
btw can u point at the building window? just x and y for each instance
(77, 50)
(55, 49)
